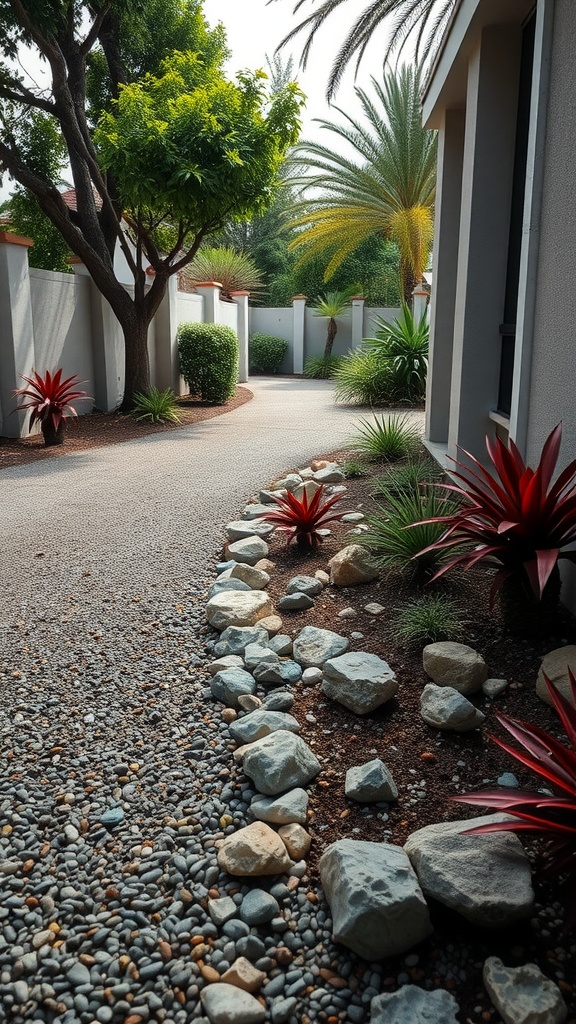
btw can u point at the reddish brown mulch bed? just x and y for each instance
(96, 430)
(424, 760)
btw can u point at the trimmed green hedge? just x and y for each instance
(266, 353)
(209, 360)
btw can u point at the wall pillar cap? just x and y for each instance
(74, 259)
(207, 284)
(240, 291)
(357, 298)
(295, 297)
(8, 238)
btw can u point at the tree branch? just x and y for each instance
(94, 30)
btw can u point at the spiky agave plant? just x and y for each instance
(236, 271)
(301, 518)
(552, 816)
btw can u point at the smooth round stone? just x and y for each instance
(295, 602)
(258, 907)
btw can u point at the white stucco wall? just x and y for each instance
(61, 314)
(228, 315)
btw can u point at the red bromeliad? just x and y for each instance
(301, 518)
(50, 399)
(551, 816)
(515, 515)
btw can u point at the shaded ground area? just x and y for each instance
(97, 430)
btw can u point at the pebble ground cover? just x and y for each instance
(119, 781)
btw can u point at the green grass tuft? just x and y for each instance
(427, 620)
(393, 539)
(157, 406)
(386, 438)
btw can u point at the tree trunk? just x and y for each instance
(136, 363)
(332, 328)
(409, 282)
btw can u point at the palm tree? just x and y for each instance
(423, 19)
(332, 305)
(386, 187)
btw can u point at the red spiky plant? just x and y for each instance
(50, 402)
(550, 816)
(301, 518)
(515, 514)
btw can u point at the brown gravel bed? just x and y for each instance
(96, 430)
(424, 760)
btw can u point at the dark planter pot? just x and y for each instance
(51, 436)
(523, 613)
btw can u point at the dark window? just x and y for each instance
(508, 327)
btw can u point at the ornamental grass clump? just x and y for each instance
(386, 438)
(397, 537)
(322, 367)
(514, 514)
(428, 620)
(408, 476)
(50, 402)
(301, 518)
(551, 816)
(402, 344)
(156, 406)
(362, 378)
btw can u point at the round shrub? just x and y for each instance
(209, 360)
(266, 353)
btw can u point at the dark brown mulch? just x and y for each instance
(424, 760)
(96, 430)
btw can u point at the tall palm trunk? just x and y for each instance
(331, 334)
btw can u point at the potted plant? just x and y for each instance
(50, 402)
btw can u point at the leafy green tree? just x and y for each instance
(421, 22)
(387, 186)
(45, 150)
(180, 145)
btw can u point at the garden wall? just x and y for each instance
(52, 320)
(306, 335)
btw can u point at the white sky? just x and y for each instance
(254, 28)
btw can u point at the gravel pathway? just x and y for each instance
(117, 776)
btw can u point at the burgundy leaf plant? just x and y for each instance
(551, 816)
(50, 400)
(514, 514)
(301, 518)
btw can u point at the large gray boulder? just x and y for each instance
(484, 878)
(286, 809)
(313, 646)
(220, 586)
(261, 723)
(359, 681)
(523, 995)
(370, 783)
(443, 707)
(279, 762)
(228, 1004)
(352, 565)
(413, 1005)
(555, 665)
(229, 684)
(377, 905)
(456, 665)
(238, 609)
(256, 579)
(249, 550)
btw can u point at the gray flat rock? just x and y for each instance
(485, 878)
(443, 707)
(413, 1005)
(261, 723)
(249, 550)
(280, 762)
(359, 681)
(523, 995)
(370, 783)
(378, 908)
(226, 686)
(287, 809)
(295, 602)
(235, 639)
(313, 646)
(304, 585)
(242, 529)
